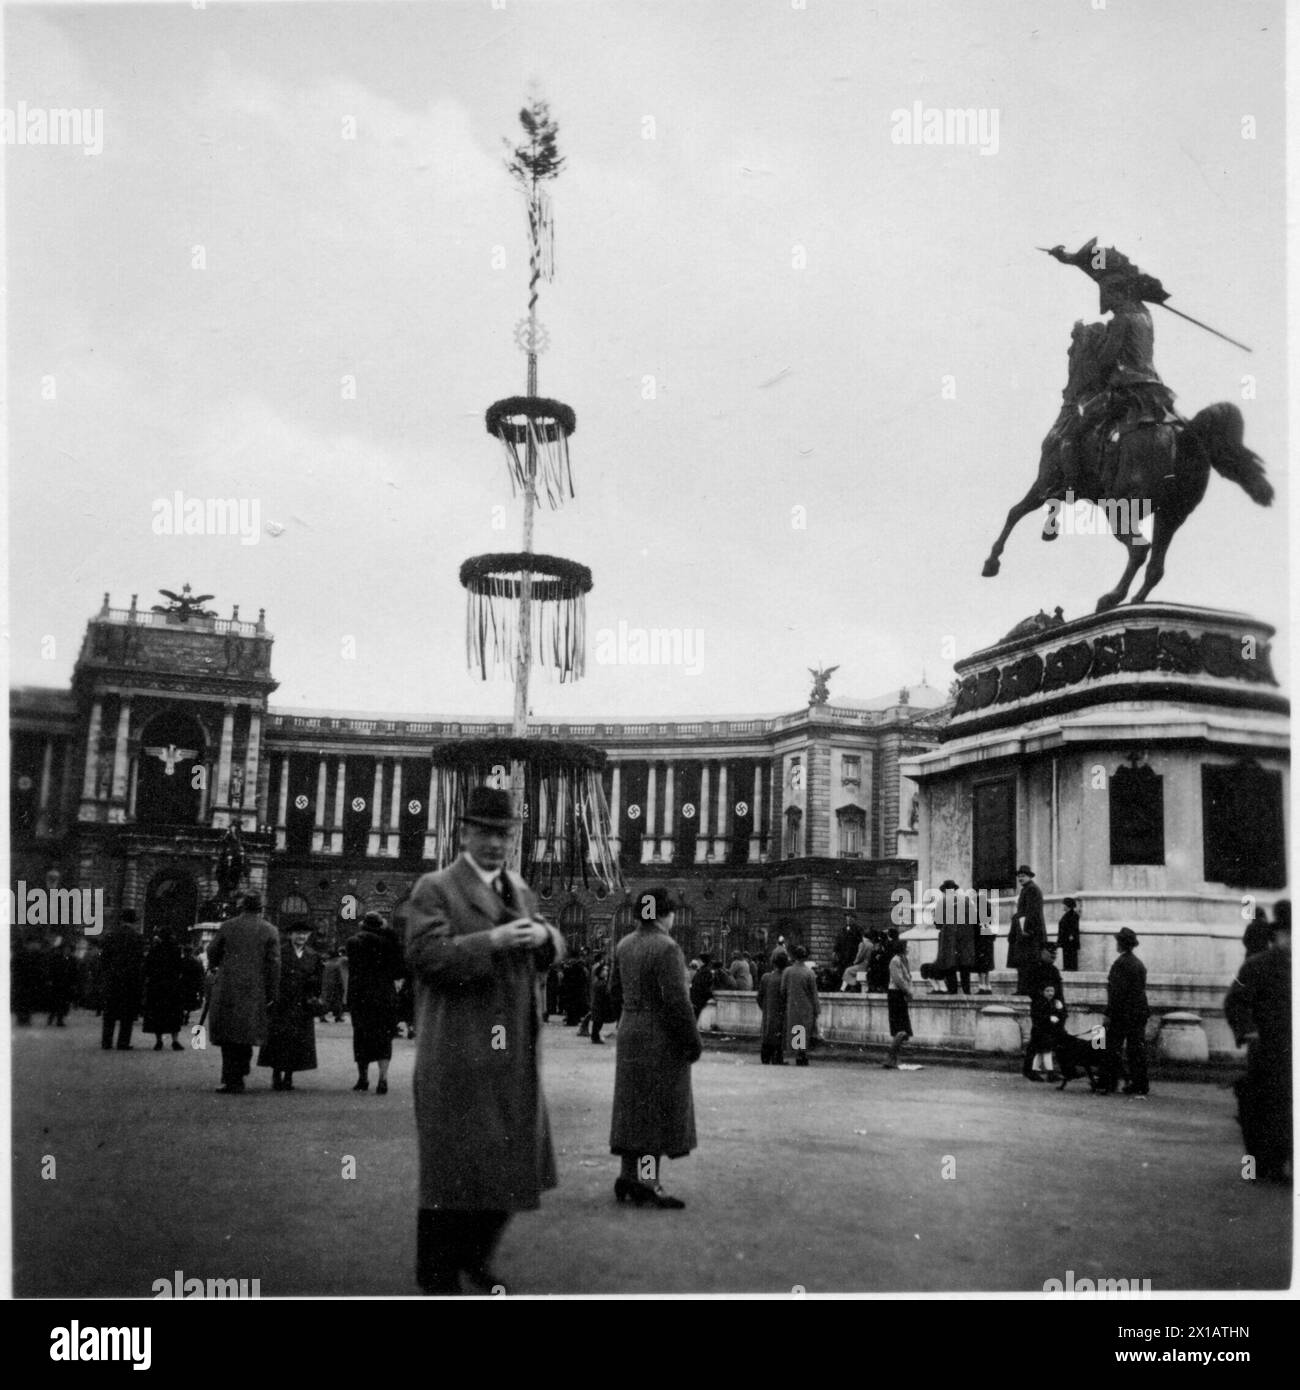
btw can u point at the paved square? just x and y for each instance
(829, 1177)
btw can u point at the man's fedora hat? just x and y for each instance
(1126, 936)
(946, 885)
(491, 808)
(1025, 869)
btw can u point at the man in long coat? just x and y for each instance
(799, 996)
(245, 953)
(1126, 1017)
(1028, 933)
(478, 950)
(957, 932)
(291, 1031)
(121, 965)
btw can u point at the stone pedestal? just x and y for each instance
(1182, 1038)
(998, 1030)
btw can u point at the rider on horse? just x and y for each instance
(1113, 379)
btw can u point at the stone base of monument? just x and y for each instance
(1138, 761)
(977, 1025)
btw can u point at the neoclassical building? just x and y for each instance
(789, 824)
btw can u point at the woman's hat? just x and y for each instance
(946, 885)
(1070, 903)
(1126, 936)
(491, 808)
(1024, 869)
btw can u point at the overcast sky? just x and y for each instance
(735, 222)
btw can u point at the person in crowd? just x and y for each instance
(900, 991)
(90, 994)
(574, 990)
(654, 1112)
(1028, 929)
(692, 969)
(61, 983)
(1258, 1010)
(986, 936)
(334, 986)
(406, 1005)
(476, 945)
(245, 954)
(772, 1006)
(742, 976)
(164, 990)
(882, 951)
(802, 1005)
(291, 1036)
(193, 984)
(1046, 1016)
(702, 984)
(1126, 1017)
(1258, 935)
(551, 1005)
(122, 976)
(1067, 936)
(29, 979)
(602, 1007)
(375, 966)
(957, 931)
(846, 945)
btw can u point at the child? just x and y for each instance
(900, 991)
(1047, 1019)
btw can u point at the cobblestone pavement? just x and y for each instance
(830, 1177)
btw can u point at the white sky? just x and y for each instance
(223, 127)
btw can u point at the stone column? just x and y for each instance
(252, 760)
(615, 788)
(318, 825)
(282, 806)
(340, 793)
(666, 848)
(43, 795)
(648, 845)
(221, 802)
(92, 760)
(720, 831)
(117, 794)
(756, 810)
(376, 810)
(395, 812)
(702, 834)
(134, 781)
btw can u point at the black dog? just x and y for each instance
(1074, 1055)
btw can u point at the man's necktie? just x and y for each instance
(502, 884)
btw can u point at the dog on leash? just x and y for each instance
(1079, 1054)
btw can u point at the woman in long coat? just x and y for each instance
(374, 966)
(772, 1048)
(164, 989)
(291, 1038)
(654, 1114)
(799, 993)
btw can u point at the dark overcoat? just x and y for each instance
(245, 953)
(1126, 991)
(799, 993)
(654, 1112)
(374, 967)
(773, 1008)
(958, 928)
(164, 988)
(1028, 933)
(485, 1142)
(121, 972)
(291, 1034)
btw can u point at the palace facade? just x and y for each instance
(788, 825)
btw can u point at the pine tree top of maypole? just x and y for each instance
(539, 157)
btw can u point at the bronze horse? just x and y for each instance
(1164, 469)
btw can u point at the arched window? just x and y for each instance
(852, 821)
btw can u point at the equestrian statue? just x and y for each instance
(1118, 442)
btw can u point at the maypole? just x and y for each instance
(526, 609)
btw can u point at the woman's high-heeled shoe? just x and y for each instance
(643, 1195)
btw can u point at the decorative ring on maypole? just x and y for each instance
(558, 590)
(521, 421)
(565, 831)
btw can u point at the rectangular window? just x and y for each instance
(849, 895)
(994, 834)
(850, 771)
(1137, 816)
(850, 838)
(1241, 812)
